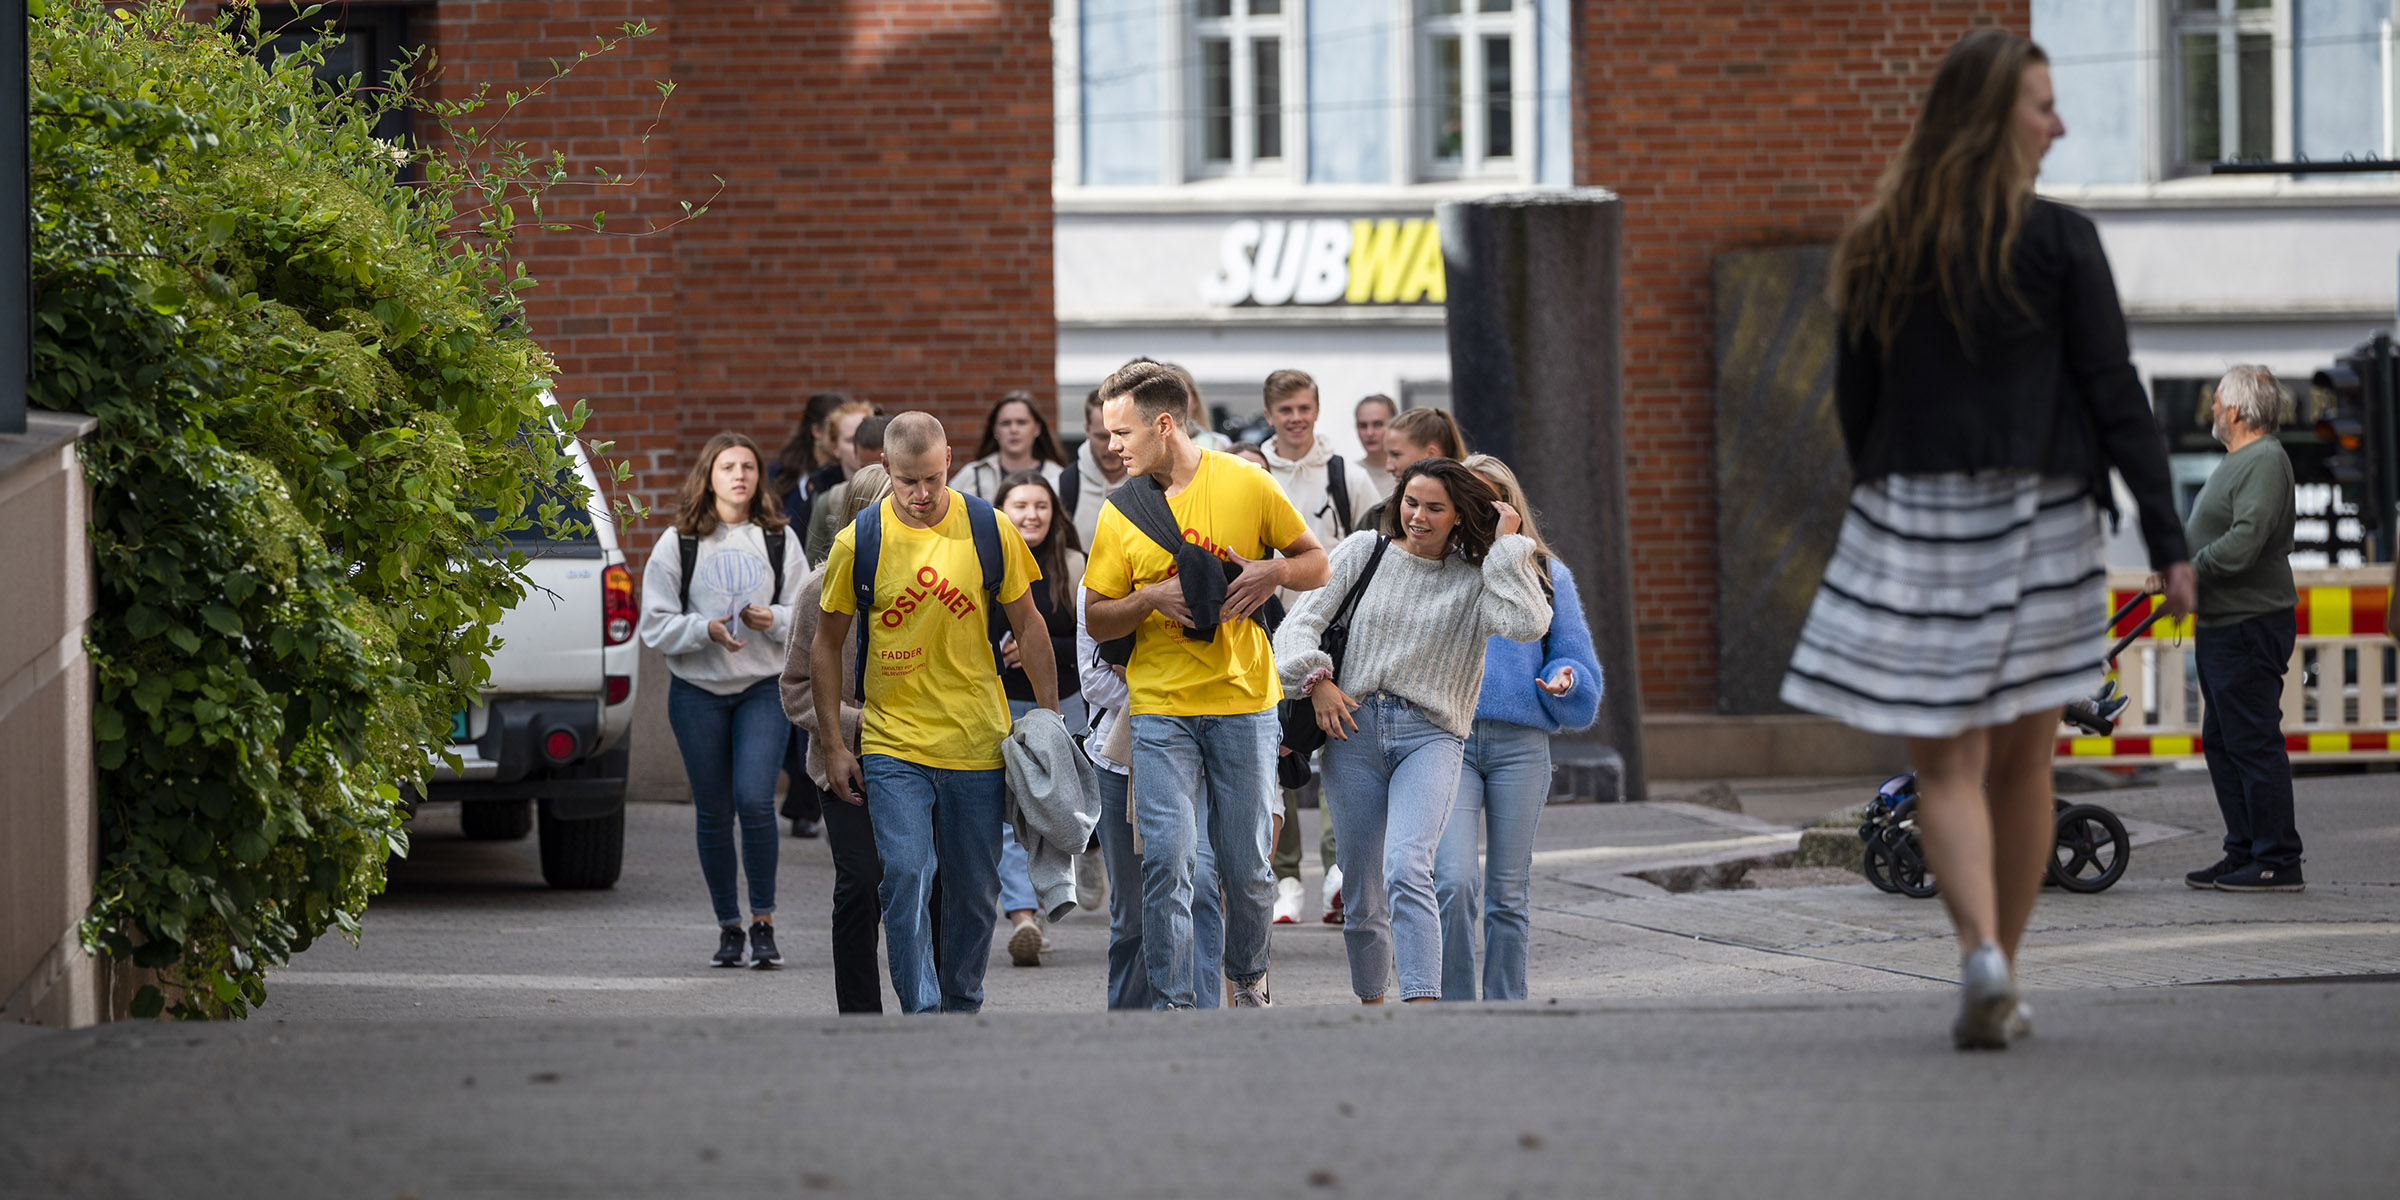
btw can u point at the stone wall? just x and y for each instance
(49, 819)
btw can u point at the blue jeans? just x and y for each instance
(1503, 781)
(927, 818)
(732, 749)
(1169, 755)
(1390, 785)
(1128, 974)
(2241, 734)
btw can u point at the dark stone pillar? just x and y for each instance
(1534, 375)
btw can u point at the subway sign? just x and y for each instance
(1277, 262)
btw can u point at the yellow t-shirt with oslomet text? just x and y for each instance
(1230, 507)
(933, 690)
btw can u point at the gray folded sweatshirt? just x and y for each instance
(1420, 627)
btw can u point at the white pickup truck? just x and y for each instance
(552, 731)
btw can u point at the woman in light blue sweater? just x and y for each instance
(1530, 691)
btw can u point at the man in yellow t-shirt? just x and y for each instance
(928, 765)
(1202, 702)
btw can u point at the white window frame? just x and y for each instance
(2229, 24)
(1471, 26)
(1243, 31)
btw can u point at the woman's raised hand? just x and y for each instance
(1510, 521)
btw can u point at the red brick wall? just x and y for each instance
(883, 225)
(1727, 126)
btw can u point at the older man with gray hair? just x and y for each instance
(2240, 532)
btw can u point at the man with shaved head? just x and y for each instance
(928, 766)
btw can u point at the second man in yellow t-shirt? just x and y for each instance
(1197, 704)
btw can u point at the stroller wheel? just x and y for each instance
(1908, 872)
(1878, 865)
(2092, 849)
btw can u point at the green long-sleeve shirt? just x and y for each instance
(2240, 531)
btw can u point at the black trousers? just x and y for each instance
(2241, 683)
(857, 909)
(800, 797)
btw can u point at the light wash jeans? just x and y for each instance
(1390, 785)
(1128, 974)
(927, 818)
(1170, 754)
(1503, 781)
(732, 749)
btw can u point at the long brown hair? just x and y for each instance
(1051, 554)
(1948, 209)
(696, 504)
(808, 448)
(1045, 443)
(1470, 497)
(1431, 428)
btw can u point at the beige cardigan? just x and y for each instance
(799, 697)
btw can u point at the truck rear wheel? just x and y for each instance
(496, 820)
(583, 855)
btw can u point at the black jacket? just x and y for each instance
(2047, 387)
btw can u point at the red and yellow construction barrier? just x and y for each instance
(2339, 610)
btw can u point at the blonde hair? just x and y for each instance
(1512, 493)
(866, 488)
(1432, 428)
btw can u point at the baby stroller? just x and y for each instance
(2092, 849)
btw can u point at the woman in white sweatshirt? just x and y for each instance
(1455, 573)
(722, 632)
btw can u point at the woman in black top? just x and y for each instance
(1985, 389)
(1028, 502)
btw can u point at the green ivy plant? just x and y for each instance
(315, 390)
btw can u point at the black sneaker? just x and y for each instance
(729, 947)
(805, 827)
(2258, 877)
(763, 954)
(2207, 877)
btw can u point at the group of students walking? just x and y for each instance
(1216, 613)
(1145, 610)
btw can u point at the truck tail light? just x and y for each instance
(617, 614)
(620, 687)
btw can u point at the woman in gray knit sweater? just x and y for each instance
(1456, 573)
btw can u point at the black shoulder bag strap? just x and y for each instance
(1337, 489)
(1070, 488)
(687, 550)
(1335, 641)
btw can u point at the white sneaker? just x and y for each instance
(1987, 1000)
(1251, 995)
(1287, 901)
(1025, 944)
(1333, 894)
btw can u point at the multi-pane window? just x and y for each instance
(1241, 82)
(1469, 85)
(2225, 56)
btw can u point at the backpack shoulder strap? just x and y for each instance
(1070, 488)
(775, 561)
(1337, 487)
(1145, 504)
(687, 551)
(983, 525)
(867, 554)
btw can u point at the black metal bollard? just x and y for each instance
(1536, 379)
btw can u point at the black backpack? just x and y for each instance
(688, 551)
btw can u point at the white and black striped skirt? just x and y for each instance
(1955, 602)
